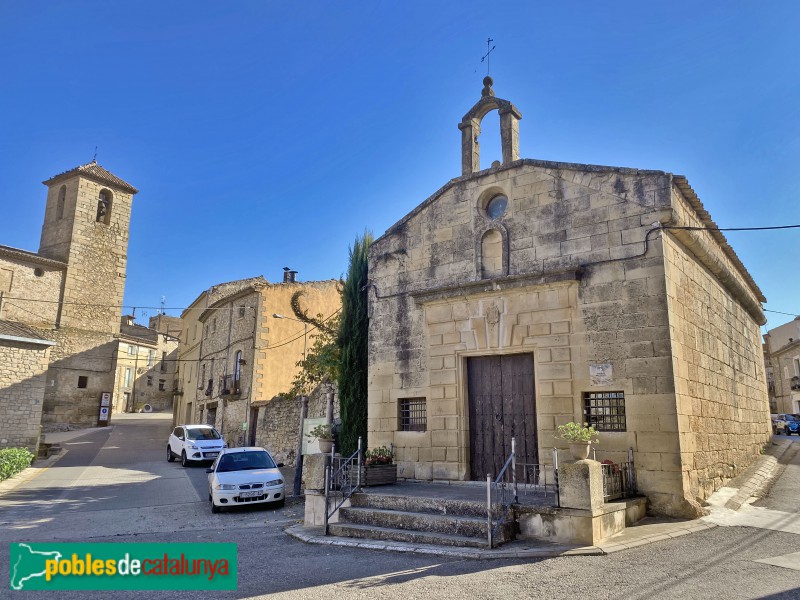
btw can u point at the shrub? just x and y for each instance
(576, 433)
(321, 432)
(13, 461)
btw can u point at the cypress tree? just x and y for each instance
(353, 338)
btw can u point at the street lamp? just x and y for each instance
(305, 330)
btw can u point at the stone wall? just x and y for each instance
(29, 290)
(720, 383)
(78, 353)
(22, 384)
(96, 254)
(279, 422)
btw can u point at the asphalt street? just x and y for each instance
(116, 486)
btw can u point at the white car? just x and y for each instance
(194, 443)
(245, 476)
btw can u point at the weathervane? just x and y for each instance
(94, 158)
(488, 52)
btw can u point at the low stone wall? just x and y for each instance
(279, 422)
(22, 382)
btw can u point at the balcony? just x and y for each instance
(229, 386)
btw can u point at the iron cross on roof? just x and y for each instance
(488, 52)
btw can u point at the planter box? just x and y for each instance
(377, 475)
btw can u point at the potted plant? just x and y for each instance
(379, 467)
(580, 438)
(324, 437)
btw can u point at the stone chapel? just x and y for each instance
(533, 293)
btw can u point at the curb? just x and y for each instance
(30, 473)
(757, 475)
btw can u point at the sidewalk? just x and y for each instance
(646, 531)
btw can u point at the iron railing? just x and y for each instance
(339, 481)
(619, 479)
(517, 480)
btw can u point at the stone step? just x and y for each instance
(415, 521)
(435, 506)
(404, 535)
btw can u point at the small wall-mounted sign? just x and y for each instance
(600, 374)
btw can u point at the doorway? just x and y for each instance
(502, 405)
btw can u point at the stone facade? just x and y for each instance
(233, 320)
(70, 292)
(579, 272)
(782, 357)
(147, 361)
(23, 361)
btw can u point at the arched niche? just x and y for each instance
(491, 251)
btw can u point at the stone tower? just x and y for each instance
(86, 226)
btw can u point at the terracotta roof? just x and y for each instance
(10, 330)
(94, 171)
(25, 255)
(139, 332)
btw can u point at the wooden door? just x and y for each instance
(502, 405)
(251, 427)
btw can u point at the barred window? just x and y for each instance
(604, 410)
(413, 414)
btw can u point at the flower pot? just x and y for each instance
(381, 474)
(580, 450)
(325, 445)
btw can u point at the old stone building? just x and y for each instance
(147, 364)
(70, 292)
(534, 293)
(236, 355)
(782, 354)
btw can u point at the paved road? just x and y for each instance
(117, 487)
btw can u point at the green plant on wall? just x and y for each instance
(321, 363)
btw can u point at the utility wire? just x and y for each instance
(201, 309)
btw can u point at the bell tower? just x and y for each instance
(87, 226)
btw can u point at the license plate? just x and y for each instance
(212, 454)
(249, 494)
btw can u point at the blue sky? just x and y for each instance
(266, 134)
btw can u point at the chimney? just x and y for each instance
(289, 276)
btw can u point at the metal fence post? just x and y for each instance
(555, 476)
(514, 467)
(327, 482)
(358, 480)
(489, 508)
(631, 473)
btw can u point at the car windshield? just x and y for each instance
(791, 418)
(245, 461)
(202, 433)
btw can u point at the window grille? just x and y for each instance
(605, 410)
(413, 414)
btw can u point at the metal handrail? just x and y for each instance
(503, 492)
(341, 480)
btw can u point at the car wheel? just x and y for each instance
(279, 504)
(184, 460)
(214, 508)
(170, 455)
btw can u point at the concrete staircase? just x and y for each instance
(420, 520)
